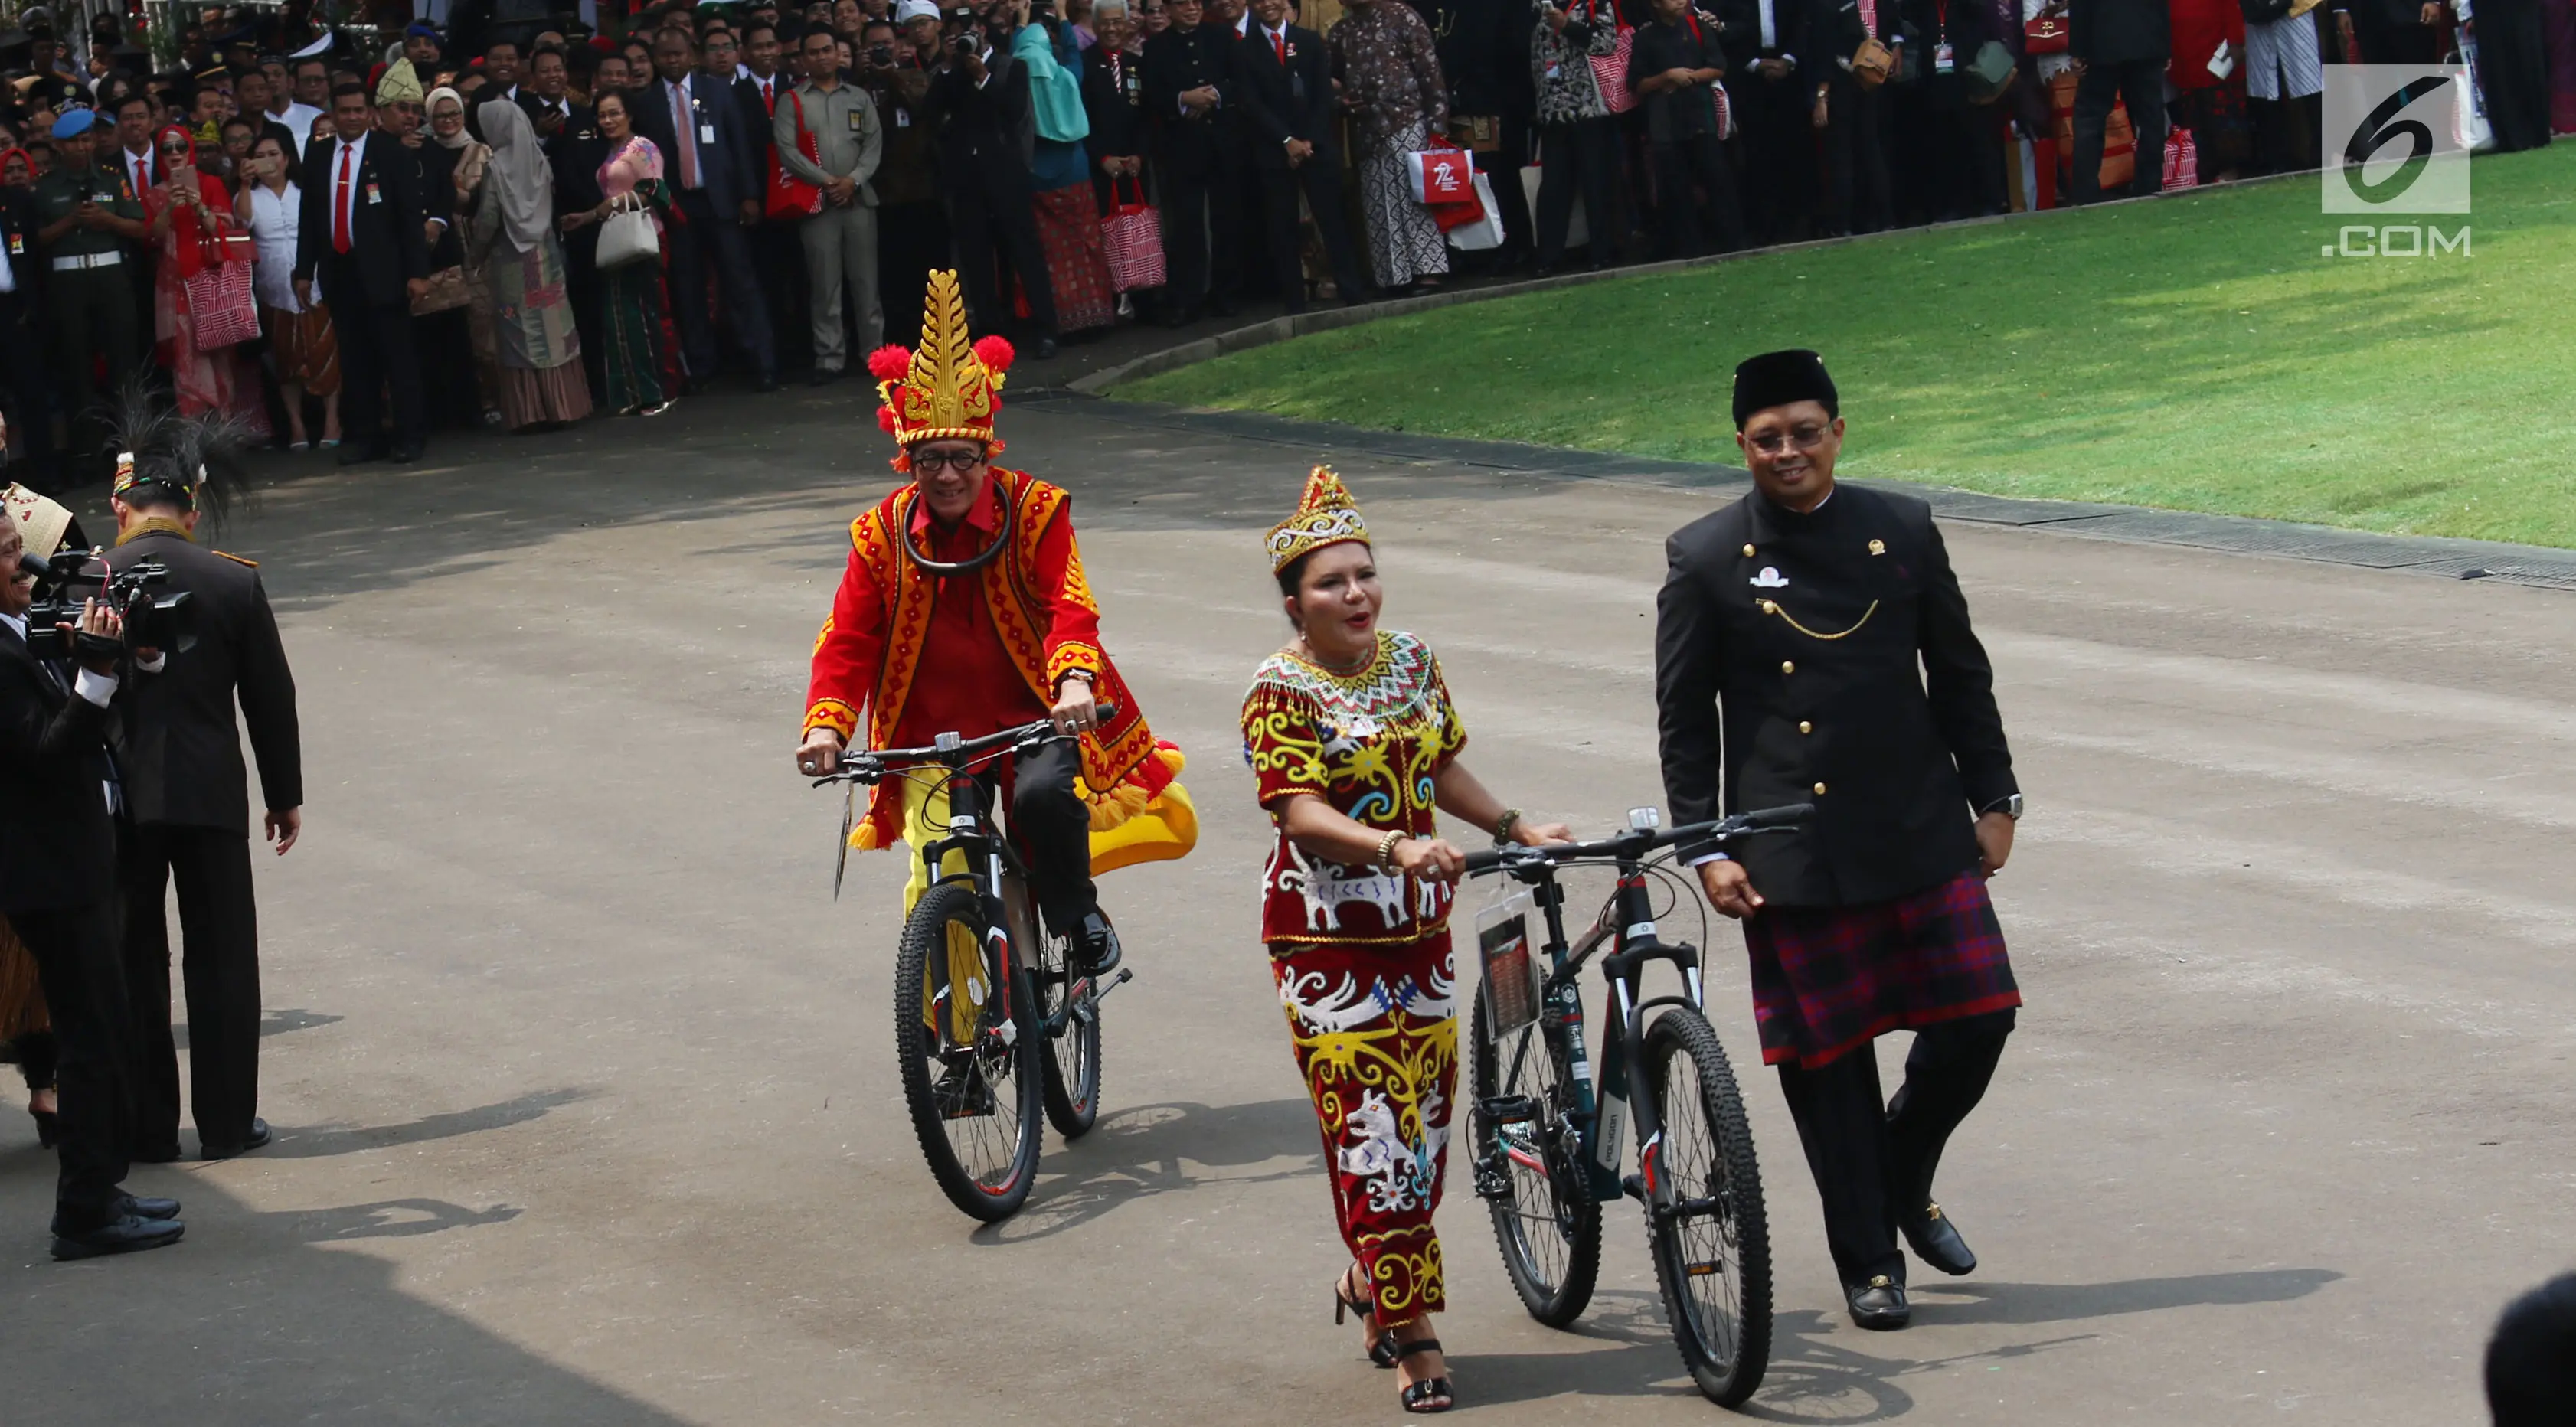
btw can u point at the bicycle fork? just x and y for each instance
(1624, 1056)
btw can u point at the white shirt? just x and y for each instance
(345, 204)
(273, 221)
(8, 274)
(299, 120)
(1242, 23)
(138, 170)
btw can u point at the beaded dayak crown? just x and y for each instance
(1325, 516)
(947, 389)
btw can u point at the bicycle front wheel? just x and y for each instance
(1545, 1220)
(1712, 1245)
(1069, 1005)
(969, 1053)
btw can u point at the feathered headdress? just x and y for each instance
(947, 390)
(197, 458)
(1325, 516)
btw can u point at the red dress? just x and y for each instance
(1361, 956)
(221, 380)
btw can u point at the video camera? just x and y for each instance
(63, 583)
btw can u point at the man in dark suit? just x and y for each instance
(25, 377)
(780, 256)
(187, 800)
(363, 233)
(980, 101)
(1812, 646)
(1188, 73)
(58, 890)
(1854, 117)
(2124, 45)
(1283, 85)
(569, 133)
(714, 176)
(1774, 101)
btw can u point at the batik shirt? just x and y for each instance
(1382, 54)
(1369, 744)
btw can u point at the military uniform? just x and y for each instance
(89, 296)
(1826, 657)
(187, 793)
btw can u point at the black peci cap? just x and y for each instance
(1779, 378)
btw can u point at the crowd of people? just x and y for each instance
(525, 221)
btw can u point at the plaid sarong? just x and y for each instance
(1829, 980)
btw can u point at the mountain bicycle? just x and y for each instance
(1546, 1147)
(994, 1024)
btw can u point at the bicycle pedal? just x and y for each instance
(1113, 983)
(1634, 1186)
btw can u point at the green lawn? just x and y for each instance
(2194, 353)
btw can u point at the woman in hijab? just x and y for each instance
(17, 169)
(510, 241)
(451, 167)
(1067, 211)
(190, 217)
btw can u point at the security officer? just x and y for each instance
(88, 217)
(187, 790)
(1812, 646)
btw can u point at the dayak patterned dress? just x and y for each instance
(1361, 956)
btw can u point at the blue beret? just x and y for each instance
(74, 122)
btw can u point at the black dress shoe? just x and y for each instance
(156, 1154)
(144, 1206)
(824, 376)
(405, 453)
(122, 1235)
(358, 453)
(1095, 944)
(1936, 1241)
(768, 382)
(1879, 1305)
(257, 1138)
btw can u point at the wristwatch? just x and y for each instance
(2010, 807)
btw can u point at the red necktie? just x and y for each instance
(1279, 45)
(688, 136)
(340, 202)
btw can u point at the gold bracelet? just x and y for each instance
(1386, 850)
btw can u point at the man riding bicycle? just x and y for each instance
(912, 644)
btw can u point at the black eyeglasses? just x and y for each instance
(928, 463)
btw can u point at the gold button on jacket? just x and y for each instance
(1820, 790)
(1805, 727)
(1788, 666)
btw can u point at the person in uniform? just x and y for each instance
(187, 796)
(1812, 645)
(87, 214)
(964, 610)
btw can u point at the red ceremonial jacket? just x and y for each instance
(869, 650)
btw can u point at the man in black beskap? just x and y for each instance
(1812, 646)
(2123, 46)
(58, 890)
(1675, 68)
(1284, 81)
(1188, 71)
(189, 810)
(362, 231)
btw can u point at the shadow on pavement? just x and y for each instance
(260, 1318)
(1135, 1153)
(318, 1142)
(2066, 1302)
(271, 1023)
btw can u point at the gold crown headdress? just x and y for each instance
(947, 390)
(1325, 516)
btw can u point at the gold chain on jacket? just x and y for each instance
(1773, 607)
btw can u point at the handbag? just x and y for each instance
(628, 236)
(2182, 160)
(1610, 72)
(1991, 73)
(1440, 173)
(220, 306)
(1873, 64)
(1132, 239)
(1484, 232)
(2469, 127)
(2046, 35)
(447, 292)
(791, 198)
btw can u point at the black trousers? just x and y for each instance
(76, 959)
(2285, 132)
(1856, 191)
(1052, 826)
(993, 221)
(1320, 179)
(219, 919)
(2141, 85)
(376, 356)
(717, 239)
(1965, 172)
(1778, 120)
(912, 239)
(1203, 237)
(1582, 154)
(1873, 1162)
(779, 269)
(91, 312)
(25, 381)
(1684, 169)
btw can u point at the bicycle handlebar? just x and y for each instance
(877, 762)
(1637, 843)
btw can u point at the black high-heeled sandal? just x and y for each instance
(1432, 1394)
(48, 1126)
(1382, 1352)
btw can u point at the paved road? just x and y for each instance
(583, 1084)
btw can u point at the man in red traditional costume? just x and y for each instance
(964, 610)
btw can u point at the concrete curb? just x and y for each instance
(2445, 557)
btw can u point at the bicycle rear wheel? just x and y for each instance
(970, 1068)
(1712, 1248)
(1545, 1221)
(1069, 1005)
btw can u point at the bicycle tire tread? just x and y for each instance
(1723, 1104)
(925, 928)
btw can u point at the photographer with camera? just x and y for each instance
(187, 794)
(58, 890)
(981, 103)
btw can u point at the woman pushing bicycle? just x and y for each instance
(1354, 743)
